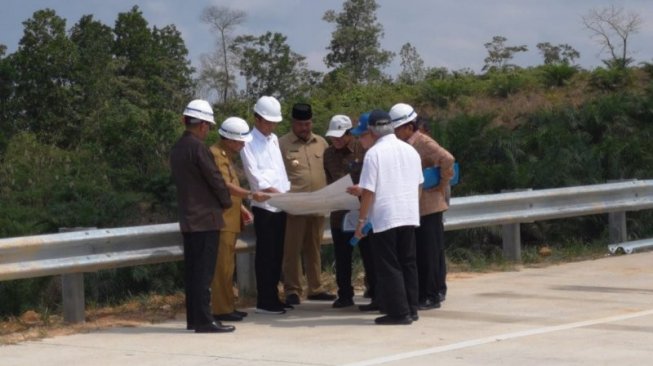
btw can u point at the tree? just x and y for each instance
(499, 54)
(215, 72)
(412, 65)
(94, 72)
(270, 67)
(560, 54)
(354, 45)
(172, 80)
(7, 87)
(154, 70)
(43, 67)
(611, 27)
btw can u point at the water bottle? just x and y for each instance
(365, 229)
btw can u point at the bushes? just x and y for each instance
(556, 75)
(610, 80)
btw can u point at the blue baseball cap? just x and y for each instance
(362, 124)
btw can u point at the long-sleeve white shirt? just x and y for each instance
(263, 165)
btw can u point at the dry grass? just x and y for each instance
(138, 311)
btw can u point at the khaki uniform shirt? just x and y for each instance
(224, 162)
(337, 164)
(432, 154)
(304, 161)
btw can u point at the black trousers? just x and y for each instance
(431, 264)
(396, 270)
(270, 229)
(200, 253)
(343, 253)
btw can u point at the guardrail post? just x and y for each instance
(245, 273)
(72, 290)
(511, 242)
(72, 293)
(617, 227)
(511, 234)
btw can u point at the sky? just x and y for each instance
(446, 33)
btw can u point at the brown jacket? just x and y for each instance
(201, 192)
(432, 154)
(337, 164)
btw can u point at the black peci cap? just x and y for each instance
(302, 111)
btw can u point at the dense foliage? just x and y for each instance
(88, 115)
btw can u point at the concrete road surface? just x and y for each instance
(587, 313)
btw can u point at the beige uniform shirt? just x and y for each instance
(231, 215)
(432, 154)
(304, 161)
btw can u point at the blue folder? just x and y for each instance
(432, 176)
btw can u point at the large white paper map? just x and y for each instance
(333, 197)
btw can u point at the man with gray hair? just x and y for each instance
(429, 236)
(390, 183)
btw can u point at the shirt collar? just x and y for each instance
(256, 134)
(388, 137)
(311, 138)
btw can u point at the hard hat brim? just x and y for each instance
(236, 137)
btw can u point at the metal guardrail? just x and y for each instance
(545, 204)
(92, 250)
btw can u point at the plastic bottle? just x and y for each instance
(365, 229)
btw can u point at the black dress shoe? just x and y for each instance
(342, 303)
(369, 307)
(243, 314)
(394, 320)
(215, 327)
(429, 304)
(322, 296)
(415, 317)
(190, 327)
(442, 296)
(292, 299)
(229, 317)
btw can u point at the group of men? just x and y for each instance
(403, 253)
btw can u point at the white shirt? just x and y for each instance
(392, 170)
(263, 166)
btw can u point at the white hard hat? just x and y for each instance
(200, 109)
(235, 128)
(402, 113)
(338, 125)
(268, 108)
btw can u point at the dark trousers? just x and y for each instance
(396, 270)
(343, 253)
(200, 253)
(431, 264)
(270, 229)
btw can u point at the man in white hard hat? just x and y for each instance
(390, 183)
(202, 195)
(265, 171)
(345, 157)
(234, 133)
(303, 153)
(429, 236)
